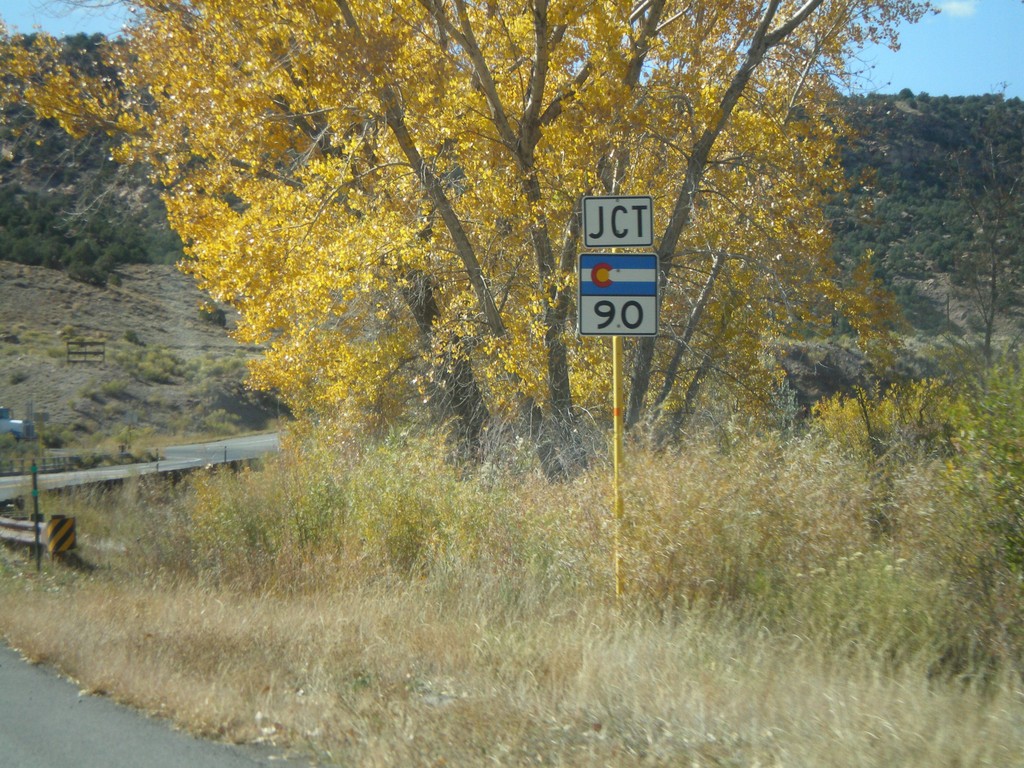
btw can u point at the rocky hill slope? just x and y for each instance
(169, 368)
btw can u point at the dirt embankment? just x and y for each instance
(166, 366)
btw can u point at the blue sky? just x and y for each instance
(57, 19)
(971, 47)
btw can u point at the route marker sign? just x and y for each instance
(618, 222)
(618, 294)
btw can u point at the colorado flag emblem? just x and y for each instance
(603, 274)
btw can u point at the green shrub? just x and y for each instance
(214, 315)
(876, 604)
(914, 415)
(115, 388)
(235, 531)
(57, 436)
(209, 373)
(989, 467)
(157, 365)
(132, 337)
(220, 422)
(982, 535)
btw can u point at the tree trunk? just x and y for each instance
(764, 39)
(673, 425)
(454, 393)
(559, 447)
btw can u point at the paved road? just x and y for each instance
(45, 723)
(234, 449)
(174, 458)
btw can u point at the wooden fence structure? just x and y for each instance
(80, 351)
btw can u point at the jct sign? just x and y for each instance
(618, 222)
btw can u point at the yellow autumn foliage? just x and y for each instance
(388, 192)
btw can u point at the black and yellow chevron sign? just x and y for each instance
(60, 534)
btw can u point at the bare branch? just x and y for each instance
(466, 37)
(395, 118)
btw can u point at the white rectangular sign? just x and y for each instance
(618, 222)
(618, 316)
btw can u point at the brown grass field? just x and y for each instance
(786, 605)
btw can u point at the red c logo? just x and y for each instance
(600, 275)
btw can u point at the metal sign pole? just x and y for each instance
(617, 295)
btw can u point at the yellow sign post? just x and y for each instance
(618, 507)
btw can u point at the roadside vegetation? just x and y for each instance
(829, 594)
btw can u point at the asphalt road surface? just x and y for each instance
(46, 723)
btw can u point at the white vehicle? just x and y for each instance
(22, 429)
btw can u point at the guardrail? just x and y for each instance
(58, 535)
(20, 531)
(46, 465)
(175, 461)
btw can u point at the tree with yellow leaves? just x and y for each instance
(389, 192)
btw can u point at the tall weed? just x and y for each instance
(984, 547)
(785, 529)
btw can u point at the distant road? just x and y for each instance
(46, 722)
(174, 458)
(235, 449)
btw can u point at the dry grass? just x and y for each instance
(370, 608)
(412, 677)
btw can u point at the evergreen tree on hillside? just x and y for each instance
(65, 204)
(917, 166)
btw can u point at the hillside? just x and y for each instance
(168, 368)
(66, 204)
(937, 196)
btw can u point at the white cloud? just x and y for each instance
(961, 8)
